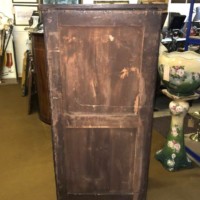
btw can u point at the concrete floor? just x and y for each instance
(27, 166)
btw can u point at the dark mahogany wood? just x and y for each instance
(179, 1)
(102, 64)
(40, 67)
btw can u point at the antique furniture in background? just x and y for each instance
(40, 67)
(102, 64)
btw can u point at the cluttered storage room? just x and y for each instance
(99, 99)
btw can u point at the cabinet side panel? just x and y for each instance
(99, 160)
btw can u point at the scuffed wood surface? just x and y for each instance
(40, 67)
(102, 63)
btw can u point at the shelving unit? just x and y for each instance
(189, 39)
(192, 147)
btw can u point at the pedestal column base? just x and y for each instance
(173, 155)
(172, 161)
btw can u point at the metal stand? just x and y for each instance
(196, 136)
(190, 40)
(173, 156)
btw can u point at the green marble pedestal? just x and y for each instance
(173, 155)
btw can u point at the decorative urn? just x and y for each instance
(179, 71)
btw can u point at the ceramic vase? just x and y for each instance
(179, 71)
(173, 155)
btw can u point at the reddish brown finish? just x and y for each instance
(40, 66)
(102, 64)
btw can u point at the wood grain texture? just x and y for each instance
(40, 67)
(102, 63)
(99, 160)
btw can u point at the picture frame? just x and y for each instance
(60, 1)
(25, 1)
(23, 13)
(111, 1)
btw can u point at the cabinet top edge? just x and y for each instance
(144, 7)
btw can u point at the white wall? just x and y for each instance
(6, 10)
(182, 8)
(6, 7)
(20, 36)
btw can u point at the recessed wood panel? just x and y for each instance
(99, 160)
(96, 50)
